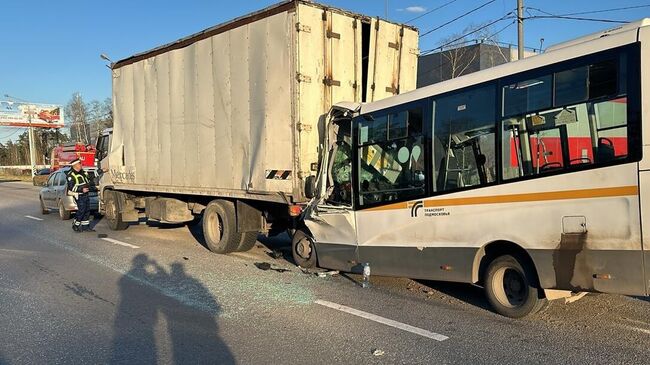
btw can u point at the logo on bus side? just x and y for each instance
(415, 207)
(428, 212)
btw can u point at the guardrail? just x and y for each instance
(21, 167)
(19, 170)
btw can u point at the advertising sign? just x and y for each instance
(19, 114)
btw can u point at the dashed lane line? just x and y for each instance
(34, 218)
(383, 320)
(116, 242)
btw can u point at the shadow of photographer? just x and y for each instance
(151, 295)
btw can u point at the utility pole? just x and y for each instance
(386, 9)
(32, 150)
(30, 133)
(520, 29)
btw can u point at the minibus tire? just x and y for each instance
(220, 227)
(298, 252)
(510, 288)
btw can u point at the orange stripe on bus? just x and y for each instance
(520, 198)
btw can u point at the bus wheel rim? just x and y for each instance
(304, 249)
(510, 287)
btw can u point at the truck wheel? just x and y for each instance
(303, 250)
(63, 214)
(247, 241)
(44, 209)
(220, 228)
(509, 287)
(113, 215)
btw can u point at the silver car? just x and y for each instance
(54, 195)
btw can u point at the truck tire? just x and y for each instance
(510, 287)
(303, 250)
(113, 215)
(63, 214)
(220, 227)
(248, 240)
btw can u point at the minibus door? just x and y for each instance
(331, 221)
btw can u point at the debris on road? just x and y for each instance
(265, 266)
(377, 352)
(275, 254)
(185, 258)
(102, 235)
(325, 274)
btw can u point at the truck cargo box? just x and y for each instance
(238, 109)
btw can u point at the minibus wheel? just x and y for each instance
(510, 288)
(303, 250)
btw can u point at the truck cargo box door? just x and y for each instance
(392, 63)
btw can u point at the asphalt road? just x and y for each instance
(155, 294)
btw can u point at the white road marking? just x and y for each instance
(34, 218)
(643, 330)
(382, 320)
(120, 243)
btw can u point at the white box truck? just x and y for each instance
(227, 124)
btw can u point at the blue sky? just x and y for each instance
(50, 49)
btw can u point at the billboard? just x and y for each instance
(18, 114)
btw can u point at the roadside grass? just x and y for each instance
(9, 178)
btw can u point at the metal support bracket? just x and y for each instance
(330, 82)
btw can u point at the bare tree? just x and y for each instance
(77, 113)
(463, 55)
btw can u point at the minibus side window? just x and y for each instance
(464, 139)
(585, 125)
(391, 159)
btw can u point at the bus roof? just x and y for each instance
(582, 46)
(604, 33)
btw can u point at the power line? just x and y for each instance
(14, 132)
(594, 11)
(577, 18)
(456, 18)
(431, 11)
(435, 68)
(469, 33)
